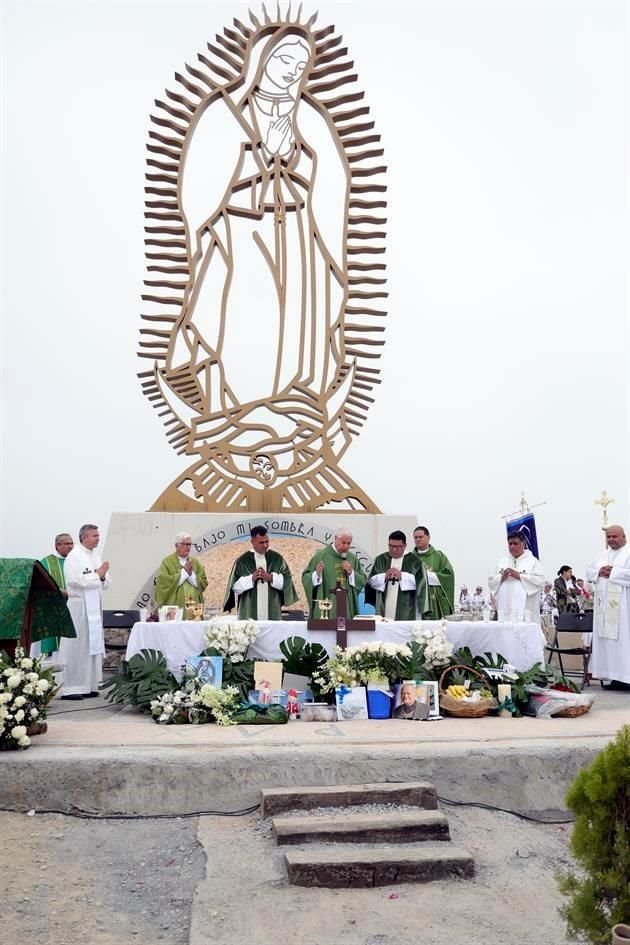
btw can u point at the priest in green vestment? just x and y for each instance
(54, 565)
(261, 579)
(440, 575)
(397, 584)
(334, 565)
(180, 578)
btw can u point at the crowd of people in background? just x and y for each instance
(567, 594)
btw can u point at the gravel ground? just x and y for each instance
(87, 882)
(221, 881)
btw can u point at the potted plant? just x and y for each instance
(599, 898)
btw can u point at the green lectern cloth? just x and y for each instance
(26, 590)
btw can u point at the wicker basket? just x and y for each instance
(464, 710)
(572, 711)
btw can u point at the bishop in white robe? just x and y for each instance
(517, 583)
(86, 579)
(610, 575)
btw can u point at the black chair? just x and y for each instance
(119, 620)
(575, 624)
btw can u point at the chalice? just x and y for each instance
(325, 606)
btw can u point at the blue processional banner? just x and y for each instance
(525, 526)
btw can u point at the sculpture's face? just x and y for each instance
(286, 65)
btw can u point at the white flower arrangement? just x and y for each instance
(231, 639)
(25, 692)
(362, 664)
(196, 704)
(436, 648)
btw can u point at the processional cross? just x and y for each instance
(604, 500)
(341, 623)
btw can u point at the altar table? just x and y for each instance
(520, 643)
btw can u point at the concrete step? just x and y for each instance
(390, 827)
(410, 793)
(351, 866)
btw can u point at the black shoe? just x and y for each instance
(72, 698)
(90, 695)
(618, 686)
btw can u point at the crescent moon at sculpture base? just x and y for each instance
(265, 272)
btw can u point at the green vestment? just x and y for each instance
(248, 600)
(440, 598)
(168, 590)
(54, 565)
(332, 573)
(408, 603)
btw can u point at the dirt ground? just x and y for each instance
(221, 881)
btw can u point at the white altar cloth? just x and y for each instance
(520, 643)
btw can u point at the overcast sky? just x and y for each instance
(506, 366)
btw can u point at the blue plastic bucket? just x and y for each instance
(379, 704)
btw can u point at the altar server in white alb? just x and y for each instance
(517, 582)
(610, 574)
(86, 579)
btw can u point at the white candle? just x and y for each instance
(504, 692)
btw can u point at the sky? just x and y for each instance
(505, 128)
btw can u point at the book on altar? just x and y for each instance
(207, 669)
(351, 702)
(269, 673)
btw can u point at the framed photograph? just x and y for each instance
(428, 692)
(417, 700)
(207, 669)
(170, 613)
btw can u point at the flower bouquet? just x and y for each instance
(25, 693)
(231, 639)
(196, 704)
(374, 662)
(436, 648)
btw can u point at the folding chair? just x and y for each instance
(574, 625)
(119, 620)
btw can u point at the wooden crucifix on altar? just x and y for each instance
(341, 623)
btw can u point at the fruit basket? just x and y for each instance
(463, 708)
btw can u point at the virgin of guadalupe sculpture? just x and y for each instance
(260, 370)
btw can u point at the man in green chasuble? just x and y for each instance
(54, 565)
(332, 566)
(180, 578)
(397, 584)
(261, 579)
(440, 575)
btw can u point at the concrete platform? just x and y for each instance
(98, 758)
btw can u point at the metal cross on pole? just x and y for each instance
(604, 500)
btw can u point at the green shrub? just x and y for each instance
(600, 799)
